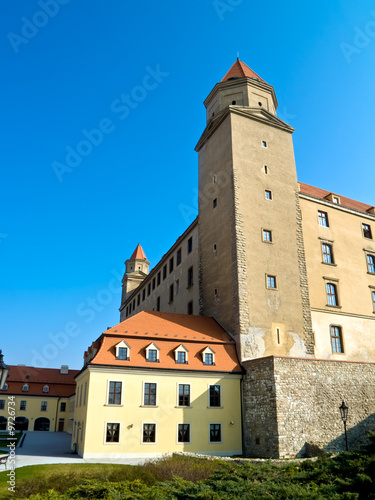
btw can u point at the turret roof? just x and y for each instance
(240, 70)
(138, 253)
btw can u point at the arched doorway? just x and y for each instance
(3, 423)
(41, 424)
(21, 423)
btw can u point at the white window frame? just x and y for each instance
(178, 395)
(143, 395)
(183, 442)
(152, 346)
(122, 344)
(122, 394)
(208, 350)
(105, 433)
(181, 348)
(221, 396)
(156, 433)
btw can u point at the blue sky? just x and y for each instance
(68, 67)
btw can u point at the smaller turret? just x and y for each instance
(136, 270)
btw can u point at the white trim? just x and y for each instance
(181, 348)
(107, 403)
(178, 394)
(156, 433)
(221, 433)
(143, 394)
(221, 397)
(183, 442)
(105, 433)
(208, 350)
(153, 347)
(123, 344)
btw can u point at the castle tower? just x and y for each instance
(136, 270)
(252, 263)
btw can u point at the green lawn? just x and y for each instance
(347, 476)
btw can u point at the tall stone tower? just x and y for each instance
(136, 270)
(253, 273)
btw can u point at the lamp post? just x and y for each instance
(4, 370)
(344, 416)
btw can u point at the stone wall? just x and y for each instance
(289, 402)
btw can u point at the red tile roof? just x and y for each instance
(36, 378)
(168, 331)
(240, 70)
(322, 193)
(138, 253)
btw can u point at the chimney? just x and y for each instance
(64, 370)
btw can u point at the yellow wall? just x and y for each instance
(131, 414)
(355, 312)
(33, 410)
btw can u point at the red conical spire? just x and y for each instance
(240, 70)
(138, 253)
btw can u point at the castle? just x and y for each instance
(256, 324)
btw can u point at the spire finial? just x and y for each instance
(238, 55)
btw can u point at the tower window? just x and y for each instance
(366, 229)
(233, 102)
(268, 194)
(178, 257)
(148, 290)
(171, 265)
(267, 235)
(271, 281)
(171, 293)
(190, 245)
(214, 203)
(265, 169)
(327, 253)
(190, 307)
(158, 304)
(214, 179)
(331, 294)
(370, 263)
(158, 278)
(153, 283)
(336, 339)
(215, 250)
(323, 218)
(190, 277)
(138, 300)
(264, 144)
(143, 294)
(259, 104)
(164, 271)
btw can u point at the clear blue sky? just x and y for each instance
(68, 68)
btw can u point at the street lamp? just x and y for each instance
(344, 415)
(4, 370)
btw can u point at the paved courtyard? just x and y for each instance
(54, 448)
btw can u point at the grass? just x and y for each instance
(4, 441)
(348, 476)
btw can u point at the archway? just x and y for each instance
(21, 423)
(3, 423)
(41, 424)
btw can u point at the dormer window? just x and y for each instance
(152, 353)
(208, 356)
(25, 388)
(46, 388)
(122, 351)
(181, 355)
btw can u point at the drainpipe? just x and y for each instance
(57, 410)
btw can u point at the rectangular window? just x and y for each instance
(268, 194)
(170, 264)
(366, 229)
(152, 355)
(190, 276)
(164, 272)
(336, 339)
(158, 304)
(153, 283)
(43, 406)
(323, 218)
(171, 293)
(148, 289)
(177, 284)
(214, 203)
(113, 433)
(143, 294)
(267, 235)
(264, 144)
(22, 405)
(181, 357)
(2, 404)
(331, 294)
(183, 433)
(190, 245)
(214, 395)
(149, 394)
(138, 300)
(122, 353)
(271, 281)
(158, 278)
(149, 433)
(62, 406)
(178, 257)
(190, 307)
(208, 358)
(373, 300)
(370, 264)
(327, 253)
(184, 395)
(114, 393)
(85, 394)
(215, 433)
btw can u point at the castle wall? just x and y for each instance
(303, 396)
